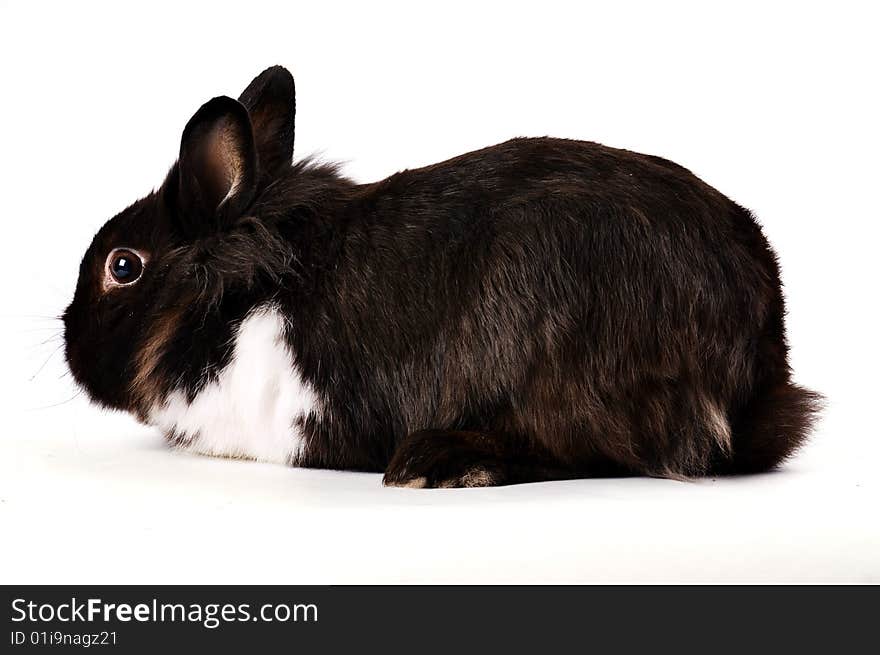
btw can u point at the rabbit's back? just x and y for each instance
(559, 289)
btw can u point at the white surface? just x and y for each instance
(106, 502)
(775, 105)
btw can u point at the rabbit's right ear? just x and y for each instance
(271, 102)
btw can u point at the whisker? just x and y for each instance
(39, 317)
(43, 365)
(41, 328)
(52, 337)
(63, 402)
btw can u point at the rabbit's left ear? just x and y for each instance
(217, 169)
(271, 102)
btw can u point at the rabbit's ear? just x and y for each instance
(217, 169)
(271, 102)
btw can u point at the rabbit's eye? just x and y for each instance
(124, 266)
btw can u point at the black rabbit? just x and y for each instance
(537, 310)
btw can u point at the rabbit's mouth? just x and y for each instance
(97, 363)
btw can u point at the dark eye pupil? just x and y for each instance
(125, 266)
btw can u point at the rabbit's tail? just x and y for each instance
(772, 427)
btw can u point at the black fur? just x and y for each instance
(535, 310)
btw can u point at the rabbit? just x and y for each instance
(542, 309)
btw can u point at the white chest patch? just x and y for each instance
(254, 407)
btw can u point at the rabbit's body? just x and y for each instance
(539, 309)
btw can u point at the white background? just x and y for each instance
(776, 105)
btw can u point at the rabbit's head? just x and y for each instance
(152, 274)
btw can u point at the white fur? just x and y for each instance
(253, 408)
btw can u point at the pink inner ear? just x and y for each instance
(225, 158)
